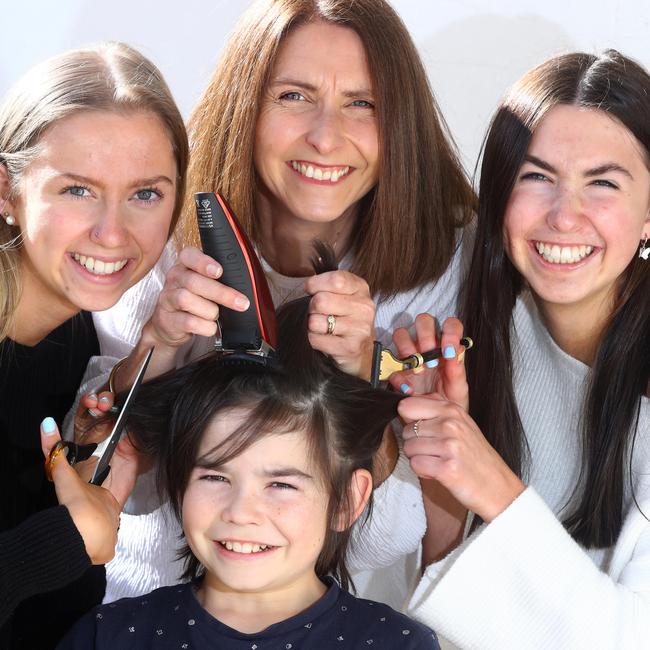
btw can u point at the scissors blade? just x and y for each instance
(107, 448)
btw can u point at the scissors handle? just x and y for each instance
(73, 452)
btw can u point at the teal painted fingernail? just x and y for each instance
(431, 364)
(105, 400)
(92, 396)
(449, 352)
(405, 388)
(48, 425)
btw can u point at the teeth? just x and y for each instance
(563, 254)
(332, 175)
(245, 547)
(99, 267)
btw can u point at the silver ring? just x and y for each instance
(331, 323)
(416, 428)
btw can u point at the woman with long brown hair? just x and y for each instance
(553, 460)
(318, 123)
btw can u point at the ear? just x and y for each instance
(359, 492)
(5, 204)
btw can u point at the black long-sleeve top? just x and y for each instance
(36, 382)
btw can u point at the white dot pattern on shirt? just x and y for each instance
(191, 621)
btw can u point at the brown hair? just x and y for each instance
(619, 377)
(108, 76)
(422, 194)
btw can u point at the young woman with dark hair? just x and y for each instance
(267, 466)
(555, 458)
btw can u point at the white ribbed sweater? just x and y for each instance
(521, 582)
(384, 550)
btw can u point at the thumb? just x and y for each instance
(66, 480)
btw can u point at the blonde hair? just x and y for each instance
(109, 76)
(422, 194)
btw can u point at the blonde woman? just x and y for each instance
(93, 154)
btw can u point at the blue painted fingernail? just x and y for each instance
(405, 388)
(432, 364)
(48, 425)
(105, 400)
(449, 352)
(92, 396)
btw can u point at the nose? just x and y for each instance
(566, 213)
(109, 229)
(241, 507)
(325, 132)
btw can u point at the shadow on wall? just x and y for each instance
(472, 62)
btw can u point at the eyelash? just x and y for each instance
(156, 192)
(158, 195)
(283, 486)
(299, 97)
(218, 478)
(66, 190)
(538, 176)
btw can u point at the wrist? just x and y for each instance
(512, 488)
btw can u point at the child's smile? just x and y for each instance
(257, 523)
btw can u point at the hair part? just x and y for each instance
(619, 87)
(422, 194)
(109, 76)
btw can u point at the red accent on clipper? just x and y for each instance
(224, 239)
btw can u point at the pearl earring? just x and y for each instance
(10, 219)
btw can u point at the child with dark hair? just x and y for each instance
(267, 466)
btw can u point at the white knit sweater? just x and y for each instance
(384, 551)
(521, 582)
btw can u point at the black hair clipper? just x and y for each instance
(222, 238)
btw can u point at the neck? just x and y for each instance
(37, 313)
(251, 612)
(576, 330)
(286, 241)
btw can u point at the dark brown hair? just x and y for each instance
(343, 417)
(422, 194)
(619, 376)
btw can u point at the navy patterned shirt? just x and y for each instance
(171, 617)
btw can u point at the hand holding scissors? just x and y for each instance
(76, 453)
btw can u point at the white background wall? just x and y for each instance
(473, 49)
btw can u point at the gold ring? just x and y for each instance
(331, 324)
(416, 428)
(55, 452)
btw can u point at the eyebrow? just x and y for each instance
(140, 182)
(284, 472)
(286, 81)
(594, 171)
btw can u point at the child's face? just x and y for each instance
(258, 523)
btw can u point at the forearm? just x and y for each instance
(445, 521)
(45, 552)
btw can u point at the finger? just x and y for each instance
(454, 375)
(124, 471)
(189, 291)
(344, 326)
(195, 259)
(105, 401)
(452, 332)
(358, 307)
(421, 408)
(425, 329)
(49, 435)
(426, 466)
(341, 282)
(404, 343)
